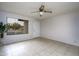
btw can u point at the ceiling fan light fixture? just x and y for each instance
(41, 13)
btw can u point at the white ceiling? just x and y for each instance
(25, 8)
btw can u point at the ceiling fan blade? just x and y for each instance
(35, 11)
(48, 11)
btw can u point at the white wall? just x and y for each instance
(60, 28)
(34, 28)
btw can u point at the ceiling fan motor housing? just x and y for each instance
(41, 9)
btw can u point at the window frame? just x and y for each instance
(17, 19)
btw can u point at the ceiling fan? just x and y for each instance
(42, 10)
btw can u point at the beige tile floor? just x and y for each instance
(39, 47)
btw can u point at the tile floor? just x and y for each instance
(39, 47)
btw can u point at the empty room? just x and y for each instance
(39, 28)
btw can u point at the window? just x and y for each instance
(17, 26)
